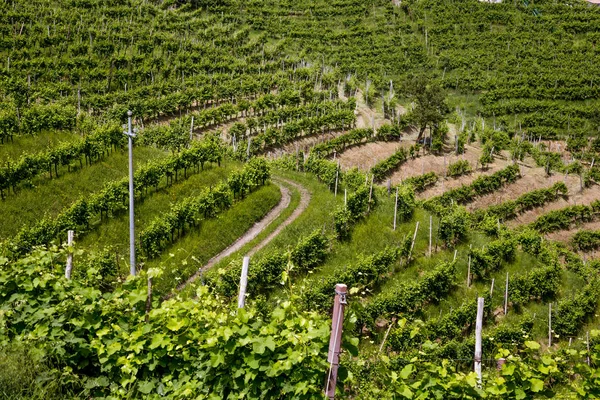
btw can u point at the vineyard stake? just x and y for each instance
(455, 253)
(243, 282)
(130, 135)
(430, 228)
(396, 208)
(69, 267)
(478, 328)
(149, 298)
(192, 129)
(370, 193)
(337, 173)
(412, 245)
(506, 296)
(469, 268)
(492, 288)
(337, 322)
(550, 325)
(587, 339)
(345, 197)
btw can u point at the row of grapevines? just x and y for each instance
(113, 198)
(187, 213)
(366, 273)
(384, 167)
(407, 298)
(563, 219)
(266, 274)
(482, 185)
(28, 166)
(536, 198)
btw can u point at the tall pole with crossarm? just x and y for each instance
(130, 134)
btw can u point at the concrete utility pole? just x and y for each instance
(130, 135)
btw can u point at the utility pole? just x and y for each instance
(130, 135)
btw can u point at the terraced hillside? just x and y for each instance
(424, 153)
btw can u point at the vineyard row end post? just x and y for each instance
(335, 340)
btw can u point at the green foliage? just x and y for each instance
(406, 202)
(113, 198)
(421, 182)
(106, 345)
(366, 273)
(530, 200)
(454, 226)
(266, 274)
(458, 168)
(586, 240)
(484, 184)
(407, 298)
(384, 167)
(486, 261)
(358, 205)
(565, 217)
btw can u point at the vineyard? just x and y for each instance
(439, 158)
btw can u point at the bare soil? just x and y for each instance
(575, 198)
(565, 236)
(366, 155)
(532, 179)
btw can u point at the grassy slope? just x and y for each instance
(28, 144)
(198, 246)
(115, 232)
(49, 197)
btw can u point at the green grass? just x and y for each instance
(199, 245)
(115, 231)
(51, 196)
(294, 202)
(28, 144)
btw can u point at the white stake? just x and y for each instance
(430, 229)
(345, 197)
(550, 325)
(492, 287)
(506, 296)
(192, 129)
(396, 208)
(370, 193)
(455, 253)
(243, 283)
(478, 329)
(469, 268)
(412, 245)
(69, 267)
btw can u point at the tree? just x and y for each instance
(430, 102)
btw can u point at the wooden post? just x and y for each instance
(69, 267)
(550, 325)
(478, 329)
(396, 208)
(149, 299)
(469, 268)
(430, 229)
(412, 245)
(506, 296)
(335, 340)
(492, 287)
(243, 282)
(345, 197)
(455, 253)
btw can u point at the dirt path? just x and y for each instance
(258, 227)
